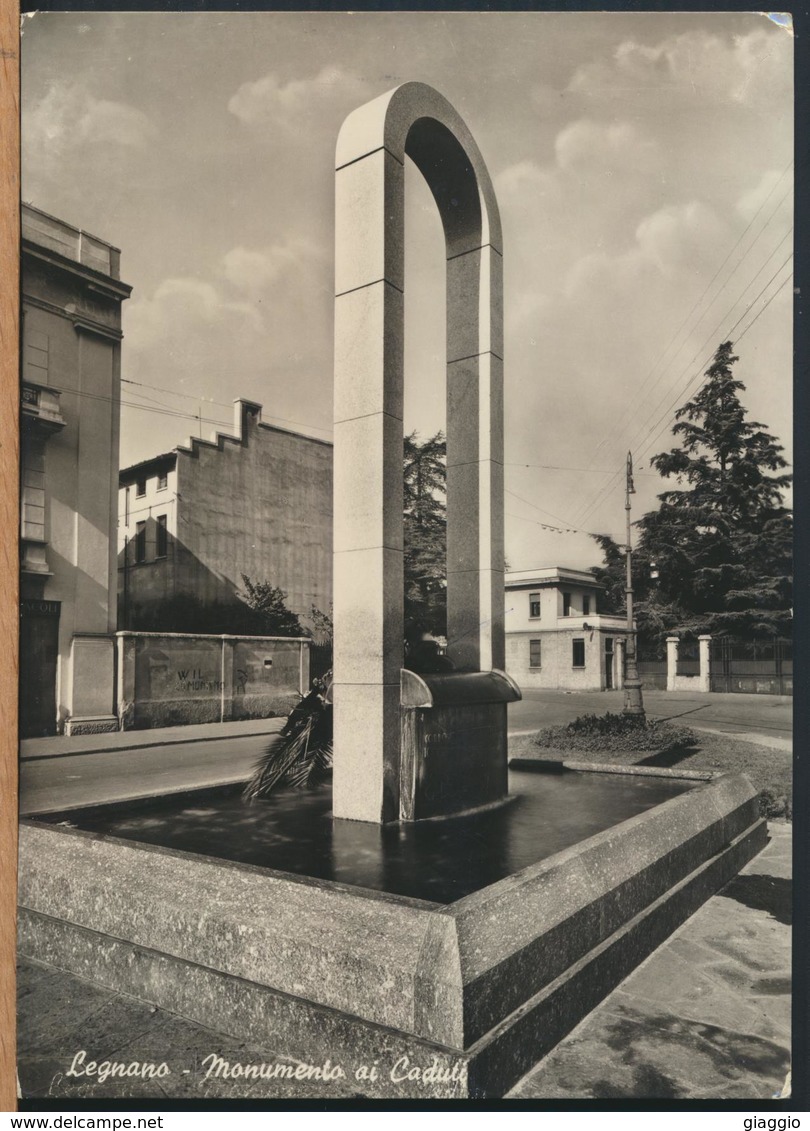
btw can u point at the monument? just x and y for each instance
(452, 993)
(398, 752)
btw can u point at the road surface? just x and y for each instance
(50, 784)
(53, 783)
(757, 716)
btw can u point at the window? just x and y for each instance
(35, 357)
(163, 481)
(534, 604)
(140, 541)
(586, 606)
(578, 653)
(535, 650)
(140, 488)
(566, 604)
(162, 547)
(126, 506)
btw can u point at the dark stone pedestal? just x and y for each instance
(454, 748)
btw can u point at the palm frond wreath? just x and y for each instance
(301, 756)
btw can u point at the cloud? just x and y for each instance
(252, 270)
(69, 137)
(608, 147)
(181, 315)
(771, 189)
(69, 117)
(682, 238)
(753, 69)
(290, 105)
(233, 333)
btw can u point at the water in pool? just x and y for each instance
(438, 861)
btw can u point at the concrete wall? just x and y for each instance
(556, 632)
(518, 616)
(258, 502)
(71, 349)
(700, 682)
(134, 508)
(168, 679)
(557, 670)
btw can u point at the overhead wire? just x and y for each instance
(619, 418)
(727, 336)
(616, 428)
(583, 514)
(166, 411)
(739, 337)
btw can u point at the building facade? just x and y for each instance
(70, 391)
(192, 521)
(556, 637)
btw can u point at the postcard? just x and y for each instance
(405, 593)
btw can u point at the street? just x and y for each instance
(757, 716)
(48, 784)
(214, 755)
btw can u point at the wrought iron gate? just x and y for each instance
(764, 667)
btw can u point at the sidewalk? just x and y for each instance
(762, 719)
(706, 1016)
(61, 746)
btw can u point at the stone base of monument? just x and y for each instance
(451, 720)
(455, 1000)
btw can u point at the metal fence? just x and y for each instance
(764, 667)
(653, 674)
(652, 666)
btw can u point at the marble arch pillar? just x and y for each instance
(416, 121)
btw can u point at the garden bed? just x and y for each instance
(770, 770)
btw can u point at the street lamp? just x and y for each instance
(633, 702)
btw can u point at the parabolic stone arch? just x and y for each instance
(416, 121)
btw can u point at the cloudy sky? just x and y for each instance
(643, 167)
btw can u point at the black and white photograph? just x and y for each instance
(406, 596)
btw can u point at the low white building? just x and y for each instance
(556, 637)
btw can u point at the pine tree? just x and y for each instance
(721, 540)
(425, 531)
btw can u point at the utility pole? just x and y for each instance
(633, 703)
(125, 610)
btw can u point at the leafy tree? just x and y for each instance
(323, 629)
(269, 602)
(612, 574)
(721, 541)
(184, 613)
(322, 633)
(425, 531)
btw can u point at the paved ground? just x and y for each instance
(60, 772)
(61, 745)
(765, 719)
(87, 777)
(707, 1015)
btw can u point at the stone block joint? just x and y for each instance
(412, 120)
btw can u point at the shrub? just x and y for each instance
(617, 734)
(772, 804)
(607, 724)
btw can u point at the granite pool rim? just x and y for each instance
(101, 809)
(488, 982)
